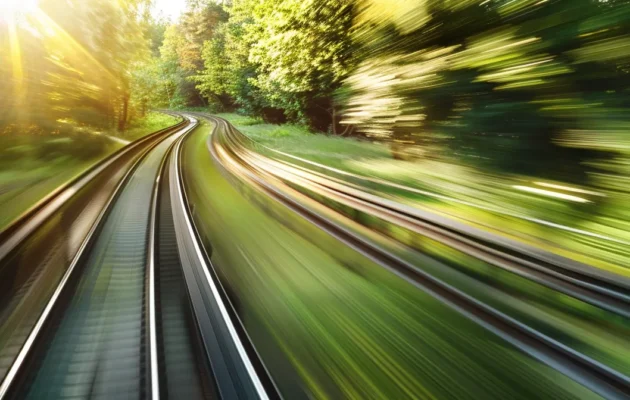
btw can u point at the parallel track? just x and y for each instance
(32, 218)
(581, 281)
(126, 320)
(183, 370)
(99, 347)
(237, 369)
(227, 153)
(38, 248)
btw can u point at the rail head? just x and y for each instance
(153, 378)
(238, 371)
(153, 358)
(533, 261)
(586, 289)
(577, 272)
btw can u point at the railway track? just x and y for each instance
(132, 315)
(37, 249)
(124, 302)
(592, 285)
(184, 372)
(279, 180)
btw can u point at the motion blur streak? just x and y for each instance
(346, 326)
(387, 199)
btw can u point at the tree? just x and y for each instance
(302, 53)
(479, 80)
(73, 80)
(228, 75)
(180, 53)
(281, 59)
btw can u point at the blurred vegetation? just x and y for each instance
(488, 98)
(166, 79)
(152, 122)
(486, 200)
(536, 89)
(33, 164)
(495, 82)
(31, 168)
(505, 92)
(331, 150)
(330, 323)
(71, 90)
(492, 82)
(69, 64)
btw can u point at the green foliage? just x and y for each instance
(330, 150)
(152, 122)
(58, 69)
(495, 82)
(168, 78)
(280, 59)
(228, 73)
(490, 82)
(32, 166)
(301, 50)
(35, 162)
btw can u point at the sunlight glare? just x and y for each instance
(12, 9)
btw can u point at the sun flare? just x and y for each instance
(13, 9)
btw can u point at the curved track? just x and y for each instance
(37, 250)
(127, 304)
(238, 372)
(97, 313)
(125, 320)
(577, 280)
(237, 160)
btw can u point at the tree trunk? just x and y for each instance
(348, 130)
(122, 122)
(203, 102)
(143, 109)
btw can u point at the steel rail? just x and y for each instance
(583, 288)
(16, 368)
(184, 368)
(151, 283)
(405, 188)
(580, 274)
(592, 374)
(594, 279)
(577, 282)
(237, 374)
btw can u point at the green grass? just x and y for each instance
(330, 322)
(462, 183)
(588, 329)
(297, 140)
(153, 121)
(32, 167)
(25, 181)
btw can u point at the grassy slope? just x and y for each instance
(588, 329)
(330, 150)
(347, 327)
(462, 183)
(32, 168)
(154, 121)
